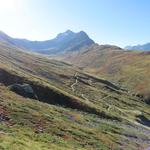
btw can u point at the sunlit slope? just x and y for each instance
(29, 124)
(102, 105)
(129, 68)
(97, 94)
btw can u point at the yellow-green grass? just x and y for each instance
(57, 77)
(127, 68)
(100, 114)
(34, 125)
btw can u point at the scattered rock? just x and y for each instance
(3, 117)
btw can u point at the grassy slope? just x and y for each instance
(90, 92)
(130, 68)
(40, 126)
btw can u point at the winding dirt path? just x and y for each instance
(84, 97)
(76, 81)
(110, 106)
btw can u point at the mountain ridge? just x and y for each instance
(128, 68)
(63, 42)
(143, 47)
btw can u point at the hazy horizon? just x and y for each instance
(113, 22)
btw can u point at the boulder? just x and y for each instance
(24, 90)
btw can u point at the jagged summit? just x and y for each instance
(66, 33)
(69, 32)
(83, 33)
(64, 42)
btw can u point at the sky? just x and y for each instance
(117, 22)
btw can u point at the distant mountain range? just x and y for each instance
(144, 47)
(68, 41)
(64, 42)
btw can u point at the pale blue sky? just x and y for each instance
(119, 22)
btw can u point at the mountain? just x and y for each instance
(91, 56)
(64, 42)
(5, 38)
(144, 47)
(71, 109)
(127, 68)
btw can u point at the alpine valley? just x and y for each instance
(70, 93)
